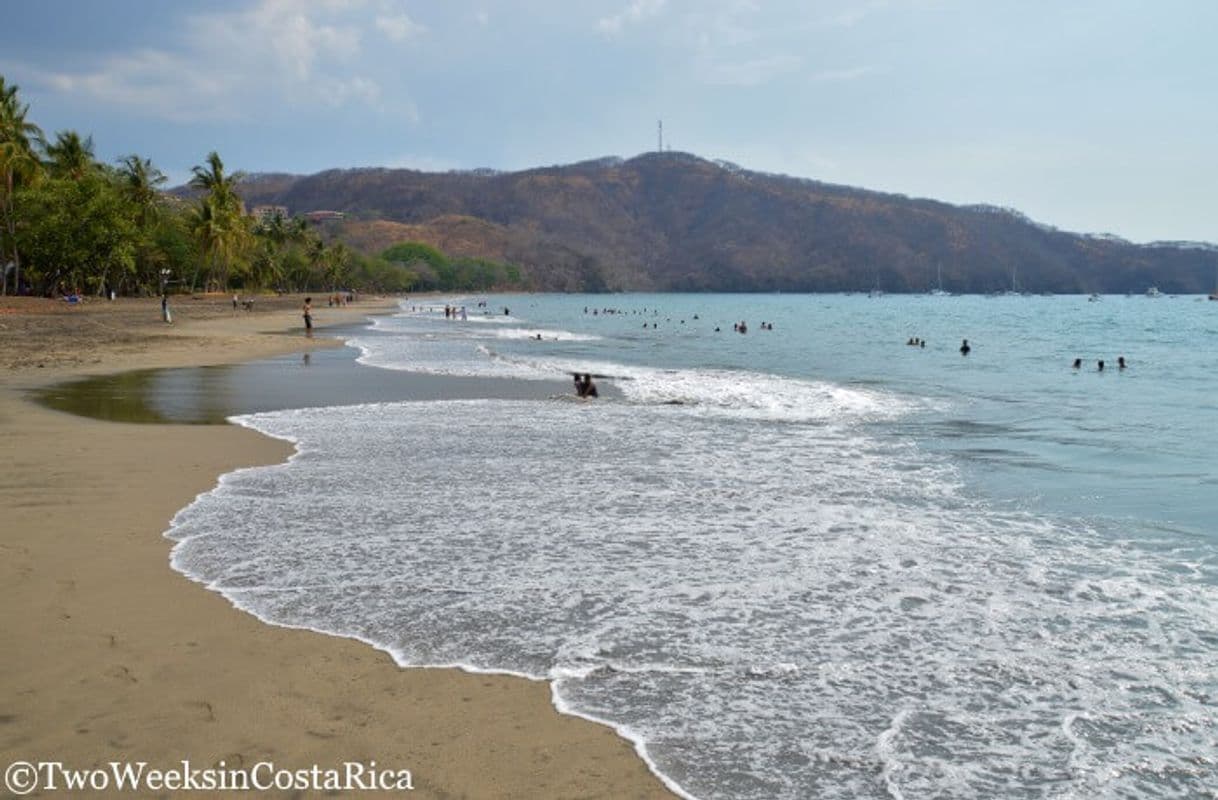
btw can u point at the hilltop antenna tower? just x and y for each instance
(660, 133)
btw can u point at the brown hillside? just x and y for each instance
(674, 221)
(453, 234)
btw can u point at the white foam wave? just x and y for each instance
(545, 334)
(491, 319)
(778, 611)
(746, 395)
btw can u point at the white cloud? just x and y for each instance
(637, 11)
(398, 27)
(337, 93)
(842, 75)
(230, 65)
(281, 31)
(753, 72)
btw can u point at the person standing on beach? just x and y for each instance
(307, 311)
(165, 315)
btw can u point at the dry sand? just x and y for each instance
(110, 655)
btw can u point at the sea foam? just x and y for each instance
(772, 611)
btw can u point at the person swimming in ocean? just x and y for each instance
(584, 387)
(1078, 363)
(1121, 362)
(1100, 365)
(965, 349)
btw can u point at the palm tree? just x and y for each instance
(217, 222)
(298, 230)
(207, 224)
(337, 259)
(315, 251)
(70, 156)
(220, 187)
(140, 181)
(274, 229)
(19, 165)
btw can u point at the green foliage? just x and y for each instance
(78, 233)
(218, 224)
(378, 275)
(171, 249)
(71, 223)
(19, 166)
(435, 271)
(416, 252)
(70, 156)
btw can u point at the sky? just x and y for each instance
(1093, 116)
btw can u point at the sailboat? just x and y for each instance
(938, 292)
(1014, 290)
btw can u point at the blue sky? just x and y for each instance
(1091, 116)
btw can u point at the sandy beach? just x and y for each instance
(109, 655)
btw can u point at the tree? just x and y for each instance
(220, 187)
(217, 220)
(209, 225)
(413, 252)
(19, 165)
(70, 156)
(337, 260)
(315, 253)
(140, 181)
(80, 233)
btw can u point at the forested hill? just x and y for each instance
(674, 221)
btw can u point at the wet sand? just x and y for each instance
(110, 655)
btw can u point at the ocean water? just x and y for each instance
(811, 561)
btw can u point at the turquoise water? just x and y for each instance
(1139, 443)
(811, 561)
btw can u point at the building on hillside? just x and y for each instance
(323, 216)
(263, 213)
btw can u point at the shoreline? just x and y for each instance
(115, 655)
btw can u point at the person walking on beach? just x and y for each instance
(307, 312)
(165, 315)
